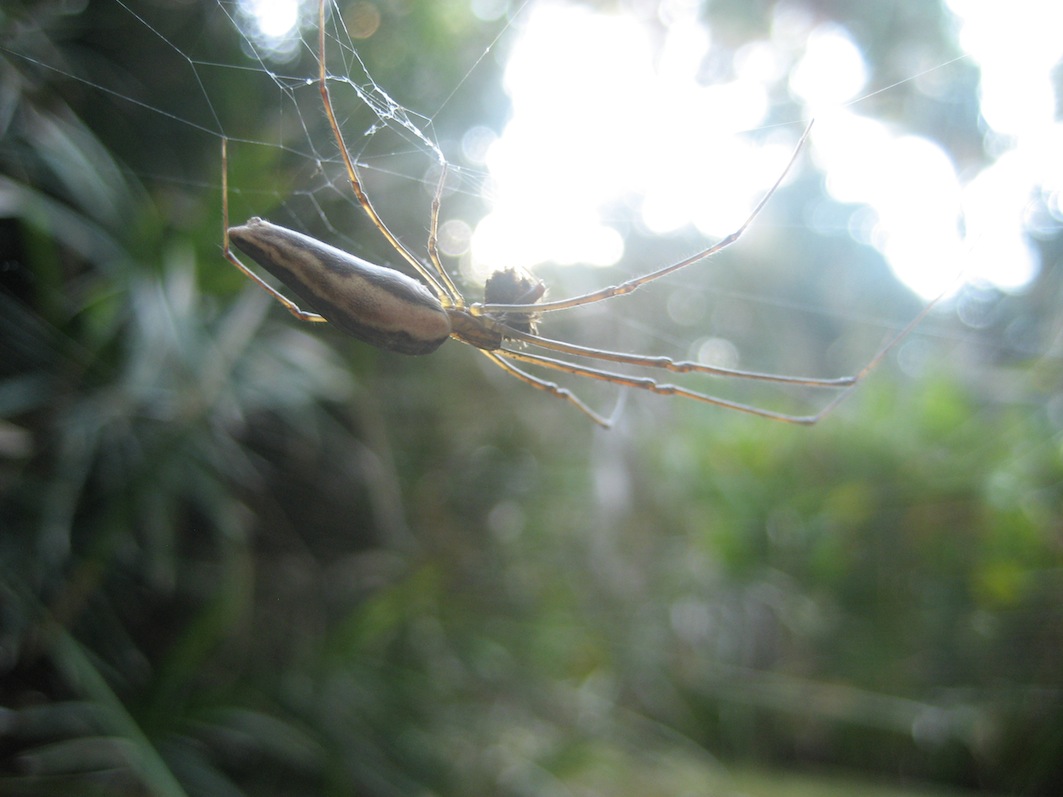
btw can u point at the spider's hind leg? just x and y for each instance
(541, 384)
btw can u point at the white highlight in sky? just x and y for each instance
(600, 118)
(1016, 46)
(832, 70)
(585, 140)
(910, 185)
(275, 26)
(276, 18)
(571, 125)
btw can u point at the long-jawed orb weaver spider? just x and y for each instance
(393, 311)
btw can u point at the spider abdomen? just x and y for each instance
(380, 306)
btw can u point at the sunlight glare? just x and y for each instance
(927, 234)
(275, 18)
(1017, 48)
(569, 77)
(1001, 254)
(275, 26)
(912, 189)
(609, 113)
(601, 117)
(832, 69)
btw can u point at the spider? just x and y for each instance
(393, 311)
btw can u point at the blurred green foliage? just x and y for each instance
(239, 556)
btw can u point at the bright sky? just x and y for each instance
(581, 140)
(577, 143)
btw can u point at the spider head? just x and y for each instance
(514, 286)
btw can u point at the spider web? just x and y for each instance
(284, 165)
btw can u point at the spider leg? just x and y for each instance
(433, 235)
(442, 286)
(289, 305)
(675, 366)
(636, 282)
(844, 384)
(645, 383)
(553, 389)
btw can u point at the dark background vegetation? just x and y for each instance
(240, 556)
